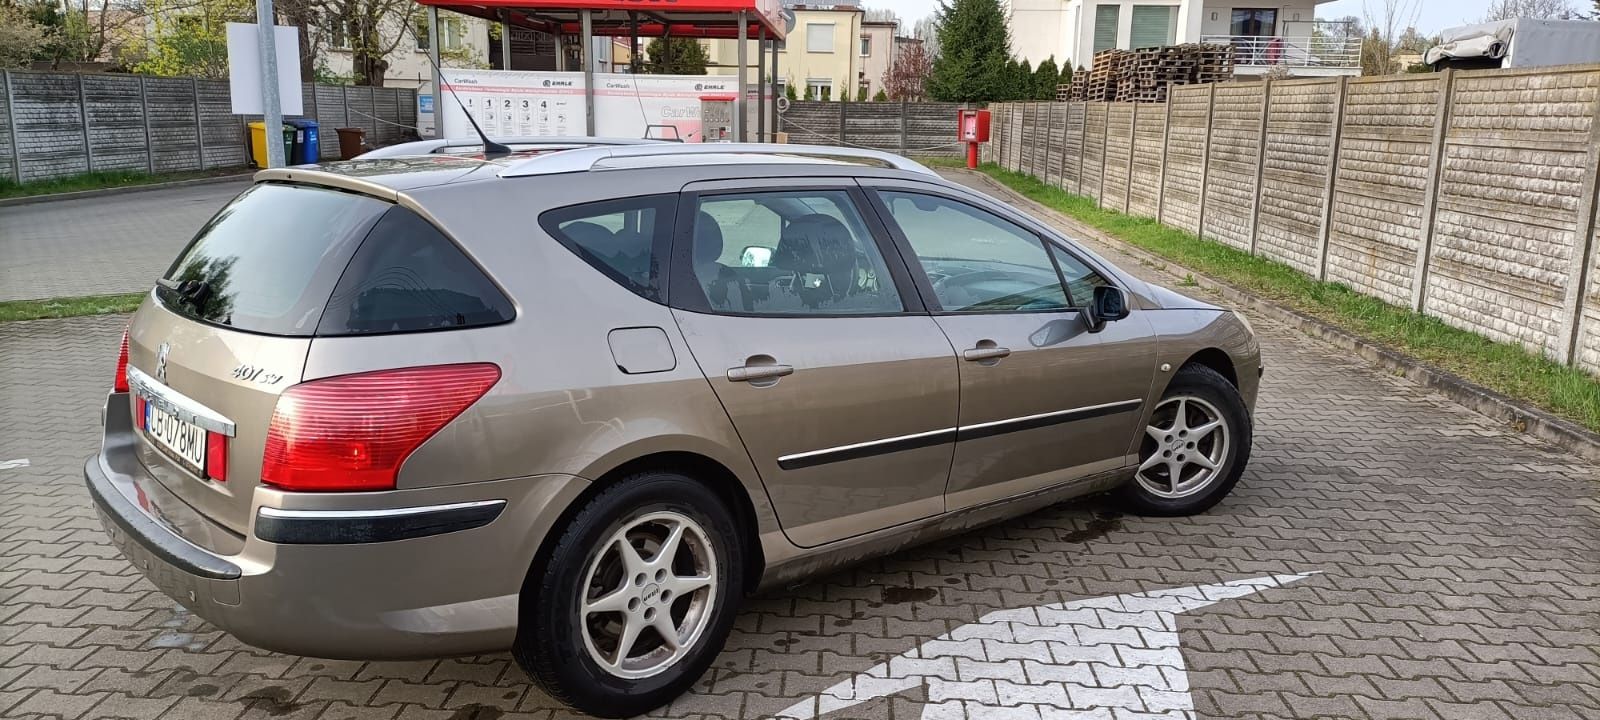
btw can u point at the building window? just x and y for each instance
(1105, 26)
(336, 35)
(819, 89)
(1253, 22)
(452, 33)
(420, 31)
(819, 37)
(1154, 25)
(866, 45)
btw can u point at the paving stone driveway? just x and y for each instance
(1459, 577)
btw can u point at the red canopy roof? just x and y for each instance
(679, 18)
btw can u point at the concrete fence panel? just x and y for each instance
(1297, 160)
(1119, 155)
(1094, 150)
(1507, 232)
(59, 124)
(1149, 141)
(1230, 190)
(1072, 146)
(1186, 156)
(1382, 184)
(1471, 196)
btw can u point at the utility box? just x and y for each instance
(974, 126)
(716, 118)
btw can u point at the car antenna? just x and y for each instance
(491, 149)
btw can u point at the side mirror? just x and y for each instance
(1109, 304)
(755, 256)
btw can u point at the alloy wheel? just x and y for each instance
(648, 595)
(1184, 447)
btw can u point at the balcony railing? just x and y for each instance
(1293, 52)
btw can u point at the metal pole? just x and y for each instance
(740, 105)
(586, 18)
(763, 83)
(633, 43)
(505, 39)
(271, 107)
(433, 62)
(774, 129)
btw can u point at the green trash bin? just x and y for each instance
(258, 143)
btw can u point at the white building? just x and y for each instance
(1284, 34)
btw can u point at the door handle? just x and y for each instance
(749, 373)
(981, 353)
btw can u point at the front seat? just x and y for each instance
(723, 289)
(821, 253)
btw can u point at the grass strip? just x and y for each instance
(1505, 368)
(65, 307)
(102, 179)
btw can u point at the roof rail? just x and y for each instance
(587, 158)
(434, 145)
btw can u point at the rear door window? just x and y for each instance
(267, 262)
(409, 277)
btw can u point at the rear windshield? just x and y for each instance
(298, 260)
(269, 260)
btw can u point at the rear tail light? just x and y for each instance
(352, 432)
(120, 382)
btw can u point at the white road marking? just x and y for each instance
(12, 464)
(1105, 655)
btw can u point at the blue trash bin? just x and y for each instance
(307, 147)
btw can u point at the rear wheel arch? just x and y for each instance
(701, 468)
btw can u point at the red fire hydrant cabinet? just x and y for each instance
(974, 128)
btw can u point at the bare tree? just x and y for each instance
(926, 29)
(1541, 9)
(880, 15)
(374, 30)
(907, 76)
(1384, 26)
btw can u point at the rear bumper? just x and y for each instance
(391, 575)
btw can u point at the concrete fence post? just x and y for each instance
(1105, 143)
(905, 127)
(1030, 127)
(842, 121)
(11, 123)
(1083, 145)
(1326, 230)
(1133, 145)
(144, 112)
(83, 115)
(1430, 198)
(1016, 131)
(1205, 162)
(1261, 163)
(1584, 249)
(1050, 144)
(199, 125)
(1161, 168)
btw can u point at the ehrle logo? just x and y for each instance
(547, 83)
(699, 86)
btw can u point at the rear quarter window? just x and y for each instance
(625, 239)
(409, 277)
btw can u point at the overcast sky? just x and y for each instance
(1432, 15)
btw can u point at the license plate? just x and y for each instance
(185, 441)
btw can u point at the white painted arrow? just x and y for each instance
(1080, 659)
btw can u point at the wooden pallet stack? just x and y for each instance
(1073, 91)
(1215, 63)
(1109, 71)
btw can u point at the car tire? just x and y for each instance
(1203, 397)
(587, 574)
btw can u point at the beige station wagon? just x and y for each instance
(579, 403)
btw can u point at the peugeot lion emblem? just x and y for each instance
(161, 362)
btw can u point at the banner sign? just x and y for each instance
(513, 103)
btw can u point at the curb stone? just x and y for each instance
(1511, 413)
(101, 192)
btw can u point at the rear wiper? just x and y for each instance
(193, 292)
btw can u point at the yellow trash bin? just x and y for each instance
(258, 143)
